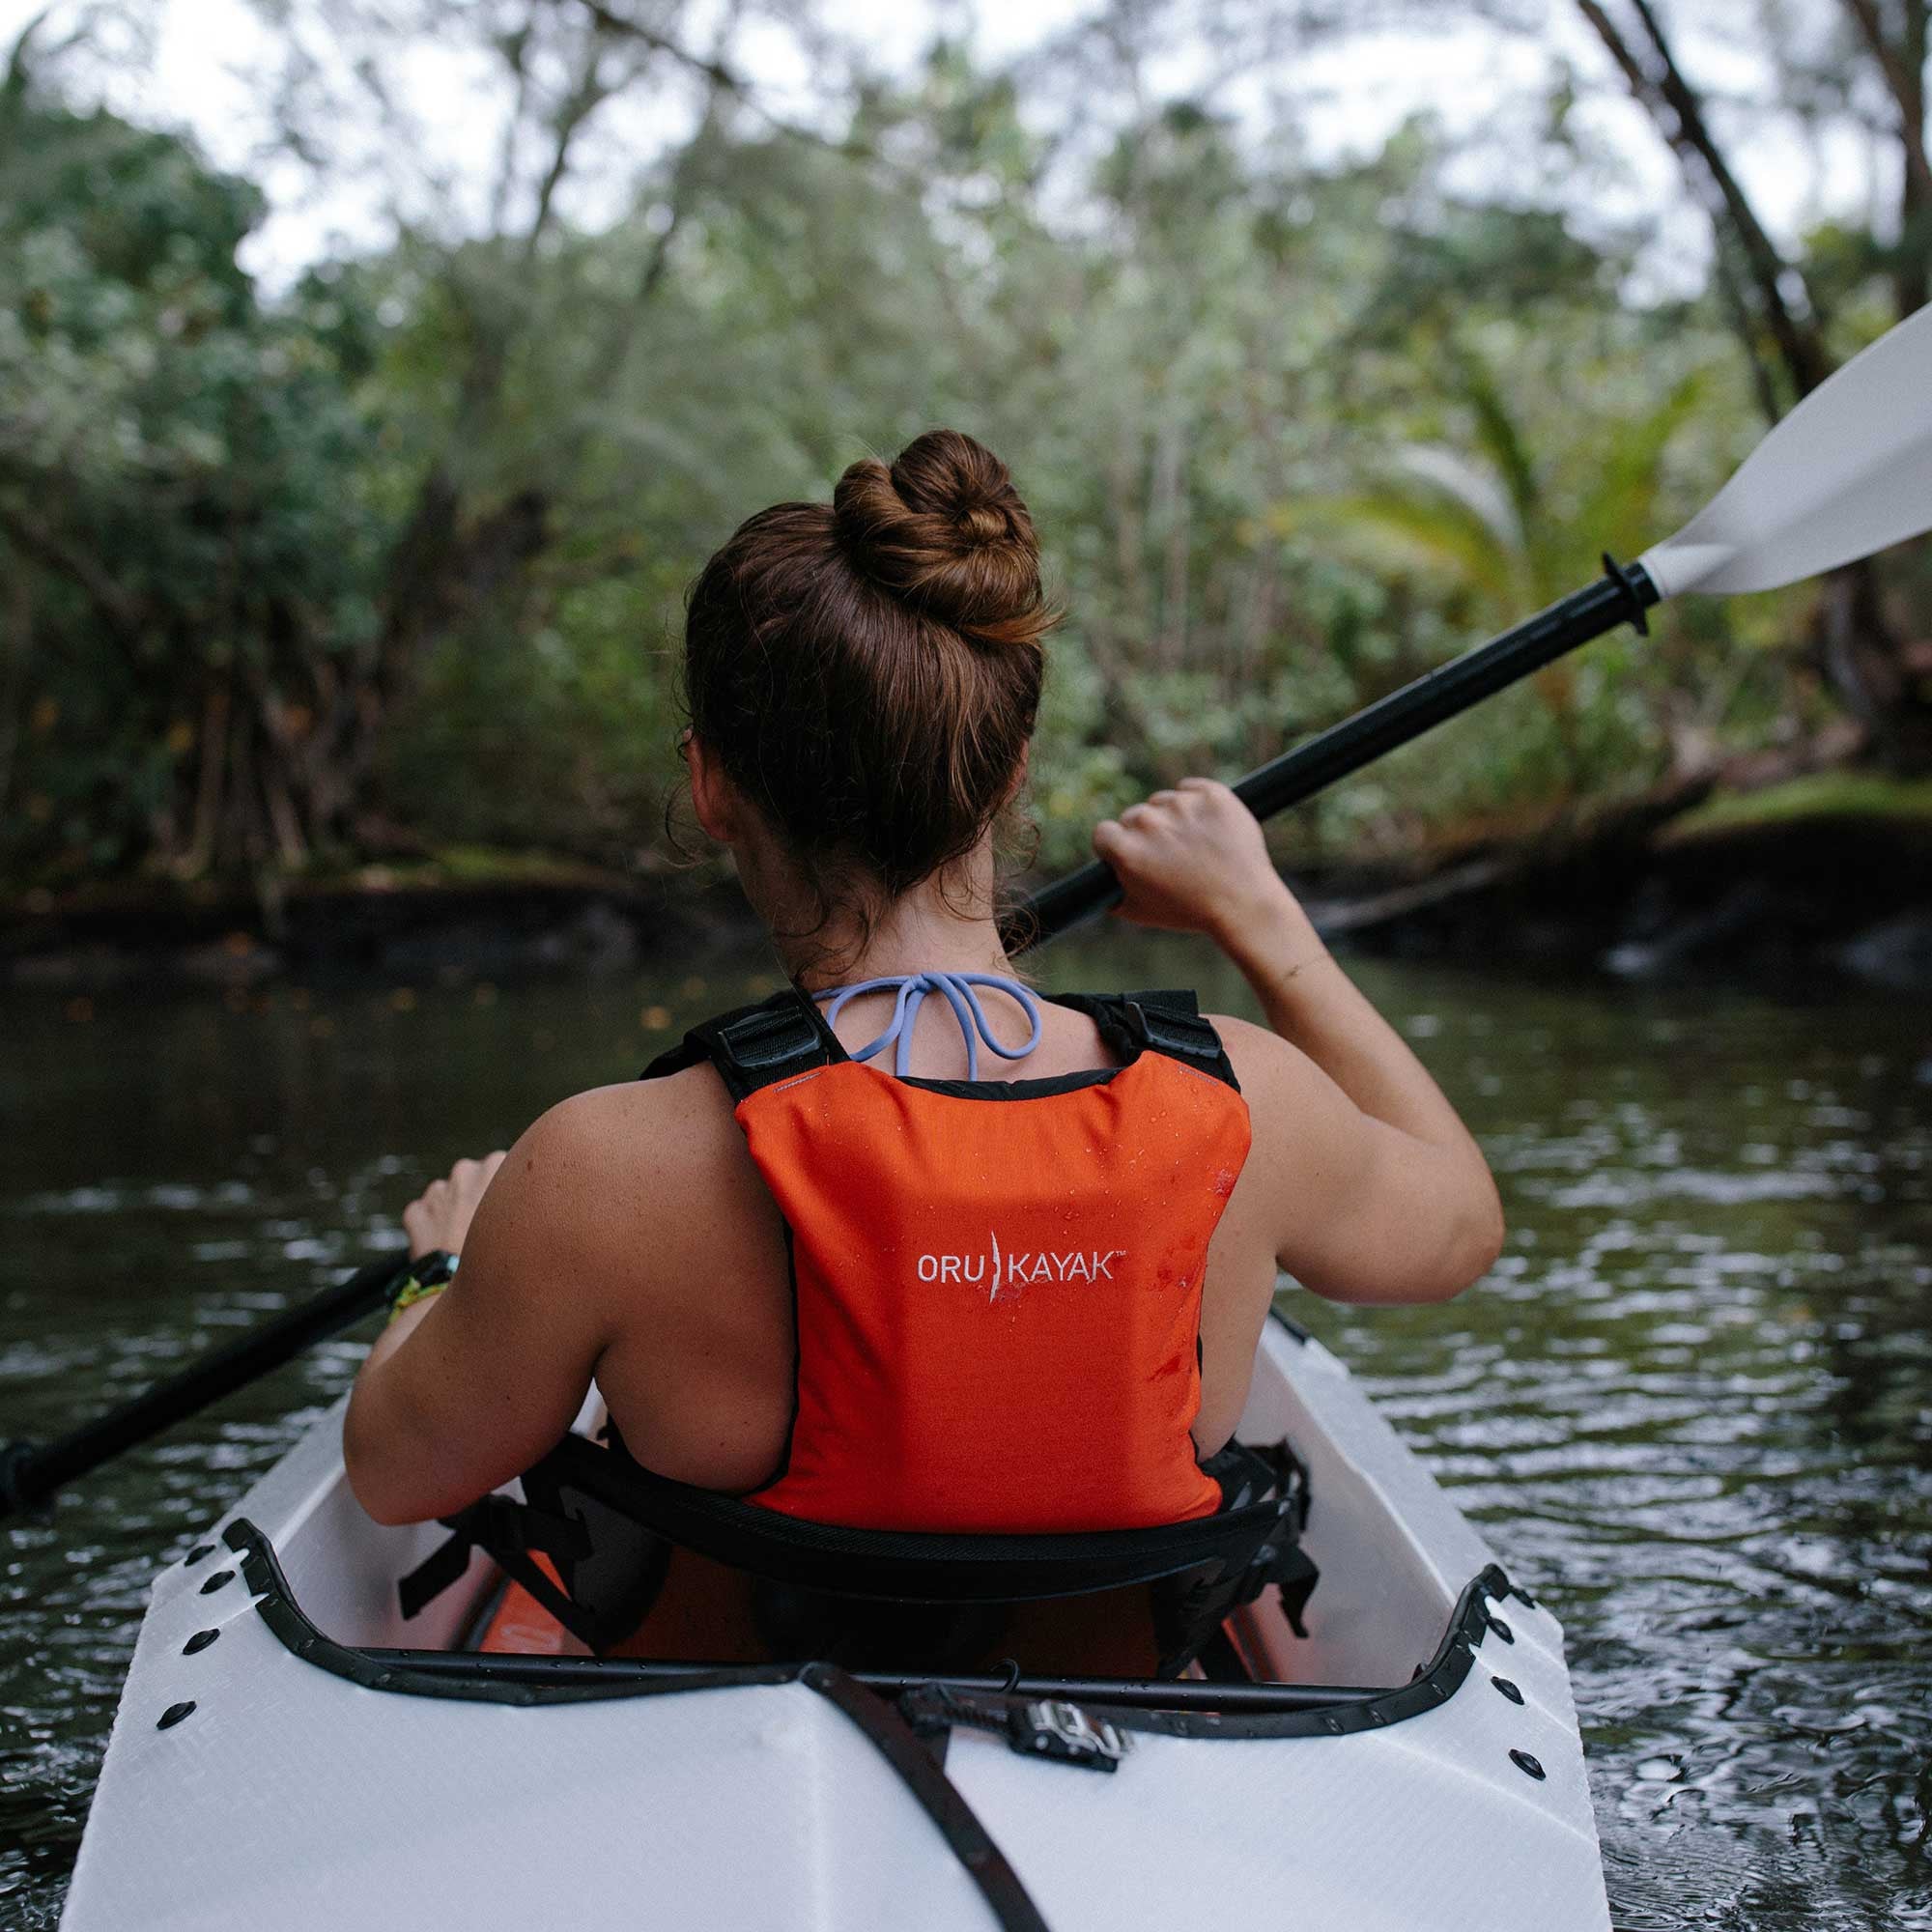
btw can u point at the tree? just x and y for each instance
(179, 519)
(1868, 62)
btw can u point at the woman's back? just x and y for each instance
(996, 1284)
(864, 681)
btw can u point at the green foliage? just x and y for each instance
(182, 510)
(396, 561)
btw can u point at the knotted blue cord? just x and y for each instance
(958, 993)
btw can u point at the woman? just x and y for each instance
(886, 1298)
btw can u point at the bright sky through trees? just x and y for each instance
(199, 64)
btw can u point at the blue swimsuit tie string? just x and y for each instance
(956, 989)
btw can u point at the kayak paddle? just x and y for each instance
(30, 1472)
(1847, 473)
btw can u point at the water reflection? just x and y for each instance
(1692, 1403)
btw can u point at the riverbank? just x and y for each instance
(453, 918)
(1826, 877)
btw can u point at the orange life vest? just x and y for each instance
(997, 1283)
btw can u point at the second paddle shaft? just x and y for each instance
(1621, 595)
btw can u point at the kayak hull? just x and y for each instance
(250, 1781)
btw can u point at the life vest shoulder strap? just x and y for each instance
(780, 1038)
(1166, 1021)
(758, 1046)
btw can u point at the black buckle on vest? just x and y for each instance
(765, 1042)
(1185, 1035)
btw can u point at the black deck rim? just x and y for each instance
(1432, 1686)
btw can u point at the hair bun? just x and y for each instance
(945, 530)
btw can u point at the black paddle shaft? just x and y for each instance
(1621, 595)
(30, 1472)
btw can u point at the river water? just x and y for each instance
(1691, 1406)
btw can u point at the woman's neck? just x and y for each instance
(938, 926)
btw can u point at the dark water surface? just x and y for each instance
(1693, 1405)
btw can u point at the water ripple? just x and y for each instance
(1691, 1405)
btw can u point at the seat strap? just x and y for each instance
(509, 1532)
(1190, 1610)
(1201, 1571)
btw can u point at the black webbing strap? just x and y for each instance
(1166, 1021)
(971, 1843)
(509, 1531)
(897, 1566)
(1180, 1001)
(755, 1046)
(784, 1035)
(1199, 1570)
(1190, 1610)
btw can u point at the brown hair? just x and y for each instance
(867, 672)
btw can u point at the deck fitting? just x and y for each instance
(1527, 1764)
(200, 1640)
(173, 1715)
(1508, 1689)
(215, 1581)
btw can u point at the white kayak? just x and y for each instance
(270, 1768)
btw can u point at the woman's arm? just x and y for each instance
(1379, 1191)
(469, 1389)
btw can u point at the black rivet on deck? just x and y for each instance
(222, 1577)
(200, 1640)
(1527, 1764)
(200, 1551)
(1502, 1630)
(1508, 1689)
(173, 1715)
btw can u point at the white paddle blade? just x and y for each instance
(1846, 474)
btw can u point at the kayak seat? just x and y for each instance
(593, 1539)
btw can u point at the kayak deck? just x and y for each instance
(317, 1761)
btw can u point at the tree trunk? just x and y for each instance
(1866, 666)
(1901, 57)
(14, 678)
(1649, 66)
(206, 826)
(1861, 654)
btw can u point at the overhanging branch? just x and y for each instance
(1661, 86)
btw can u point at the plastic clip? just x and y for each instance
(1056, 1729)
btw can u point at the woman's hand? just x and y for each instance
(440, 1216)
(1193, 860)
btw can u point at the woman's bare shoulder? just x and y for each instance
(599, 1168)
(1263, 1063)
(1301, 1119)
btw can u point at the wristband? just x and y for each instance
(428, 1274)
